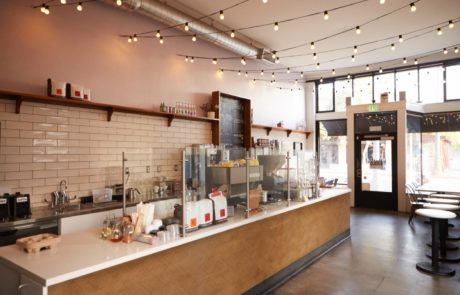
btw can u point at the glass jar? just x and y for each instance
(106, 231)
(117, 231)
(128, 231)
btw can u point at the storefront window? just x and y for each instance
(431, 85)
(407, 81)
(362, 90)
(343, 89)
(325, 97)
(452, 85)
(384, 83)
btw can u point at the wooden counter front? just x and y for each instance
(231, 262)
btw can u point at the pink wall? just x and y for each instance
(84, 48)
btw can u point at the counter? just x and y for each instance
(228, 258)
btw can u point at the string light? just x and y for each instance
(186, 28)
(358, 30)
(393, 47)
(380, 70)
(318, 65)
(301, 74)
(456, 49)
(80, 6)
(273, 75)
(277, 60)
(314, 56)
(415, 62)
(367, 67)
(186, 59)
(439, 31)
(192, 60)
(119, 2)
(276, 26)
(262, 72)
(239, 73)
(451, 24)
(246, 74)
(404, 61)
(158, 34)
(221, 71)
(312, 45)
(348, 76)
(221, 15)
(445, 51)
(288, 70)
(355, 49)
(296, 81)
(382, 1)
(401, 39)
(326, 15)
(64, 2)
(130, 39)
(413, 8)
(333, 71)
(243, 60)
(135, 38)
(194, 38)
(264, 1)
(214, 61)
(353, 58)
(232, 34)
(321, 80)
(161, 40)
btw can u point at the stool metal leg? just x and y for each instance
(444, 256)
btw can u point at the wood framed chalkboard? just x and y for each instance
(234, 125)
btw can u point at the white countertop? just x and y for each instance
(85, 252)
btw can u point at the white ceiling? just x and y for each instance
(306, 30)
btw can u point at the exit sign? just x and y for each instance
(373, 108)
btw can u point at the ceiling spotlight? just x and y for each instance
(80, 6)
(445, 51)
(355, 49)
(276, 26)
(186, 28)
(119, 2)
(314, 56)
(456, 49)
(317, 65)
(413, 7)
(274, 54)
(264, 1)
(358, 30)
(232, 34)
(161, 40)
(353, 58)
(194, 38)
(380, 70)
(243, 60)
(333, 71)
(221, 15)
(451, 24)
(214, 61)
(326, 15)
(158, 34)
(312, 45)
(367, 67)
(415, 61)
(404, 61)
(393, 47)
(401, 39)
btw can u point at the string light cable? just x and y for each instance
(58, 3)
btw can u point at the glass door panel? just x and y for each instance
(376, 170)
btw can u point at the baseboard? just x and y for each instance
(275, 281)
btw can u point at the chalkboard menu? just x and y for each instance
(234, 126)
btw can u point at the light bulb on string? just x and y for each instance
(158, 34)
(404, 61)
(321, 80)
(312, 45)
(162, 40)
(221, 15)
(262, 72)
(264, 1)
(353, 58)
(80, 6)
(348, 76)
(232, 34)
(194, 38)
(43, 8)
(254, 80)
(415, 61)
(355, 49)
(380, 70)
(301, 74)
(135, 38)
(275, 27)
(119, 2)
(451, 24)
(314, 56)
(277, 60)
(439, 30)
(358, 30)
(400, 39)
(274, 54)
(296, 81)
(318, 65)
(413, 8)
(186, 27)
(382, 1)
(393, 47)
(288, 70)
(367, 67)
(333, 71)
(246, 74)
(221, 71)
(326, 15)
(214, 61)
(456, 50)
(445, 51)
(243, 61)
(239, 72)
(64, 2)
(273, 75)
(186, 59)
(130, 39)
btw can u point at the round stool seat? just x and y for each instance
(445, 196)
(447, 207)
(442, 201)
(436, 213)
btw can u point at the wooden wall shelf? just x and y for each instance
(288, 131)
(110, 109)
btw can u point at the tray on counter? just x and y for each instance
(35, 244)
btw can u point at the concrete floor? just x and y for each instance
(379, 258)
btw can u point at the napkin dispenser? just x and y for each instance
(219, 203)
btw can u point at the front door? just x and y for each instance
(376, 174)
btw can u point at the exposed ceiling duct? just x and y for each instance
(171, 16)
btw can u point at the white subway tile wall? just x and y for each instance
(45, 144)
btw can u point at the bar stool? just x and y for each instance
(434, 267)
